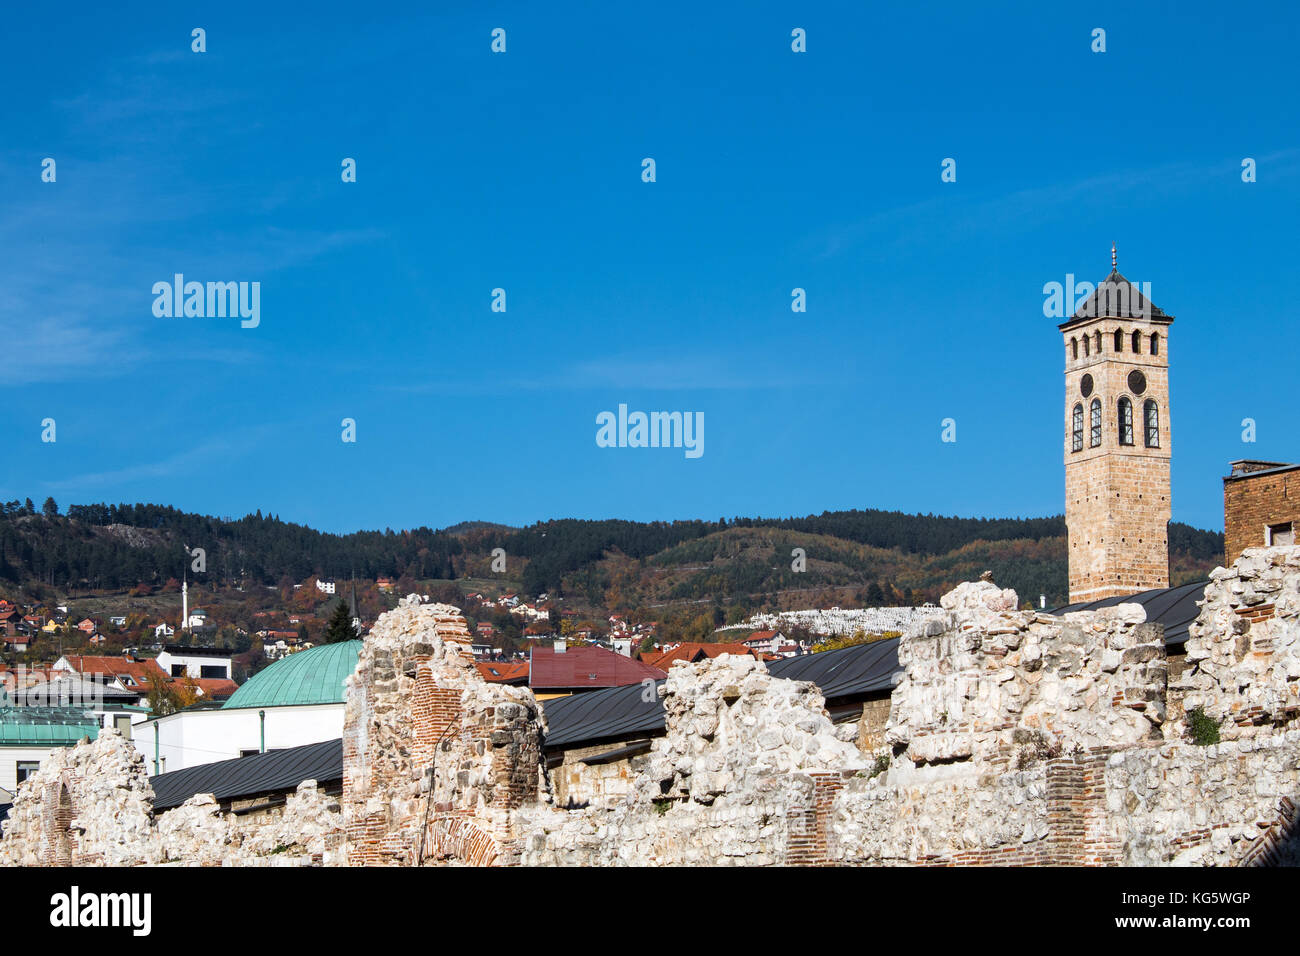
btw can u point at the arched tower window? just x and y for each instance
(1087, 345)
(1155, 343)
(1137, 341)
(1074, 347)
(1125, 421)
(1097, 343)
(1094, 439)
(1151, 423)
(1077, 444)
(1119, 340)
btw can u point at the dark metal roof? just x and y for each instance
(1116, 297)
(275, 770)
(1273, 469)
(603, 715)
(848, 672)
(1175, 608)
(621, 712)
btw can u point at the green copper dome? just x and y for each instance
(313, 676)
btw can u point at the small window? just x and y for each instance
(1125, 421)
(1074, 347)
(1151, 423)
(178, 670)
(122, 723)
(1095, 438)
(1155, 343)
(1119, 341)
(1078, 428)
(1136, 344)
(1097, 343)
(26, 768)
(1279, 534)
(1087, 345)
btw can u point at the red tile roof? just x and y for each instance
(504, 672)
(215, 688)
(582, 667)
(695, 651)
(137, 672)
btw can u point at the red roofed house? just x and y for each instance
(692, 651)
(123, 673)
(87, 626)
(765, 642)
(561, 670)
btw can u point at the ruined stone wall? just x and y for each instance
(1013, 738)
(434, 757)
(1243, 650)
(92, 805)
(988, 682)
(745, 775)
(88, 805)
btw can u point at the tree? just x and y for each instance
(50, 509)
(339, 627)
(166, 697)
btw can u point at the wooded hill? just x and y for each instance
(852, 557)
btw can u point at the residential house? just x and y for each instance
(691, 651)
(180, 661)
(765, 642)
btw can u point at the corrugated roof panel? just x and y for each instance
(273, 771)
(1175, 607)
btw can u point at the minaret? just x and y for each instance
(185, 603)
(1117, 441)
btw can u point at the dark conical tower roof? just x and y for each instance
(1117, 297)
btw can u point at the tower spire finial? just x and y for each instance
(1114, 257)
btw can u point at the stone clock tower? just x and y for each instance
(1117, 442)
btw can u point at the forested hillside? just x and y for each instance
(866, 556)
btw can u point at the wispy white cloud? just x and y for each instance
(913, 224)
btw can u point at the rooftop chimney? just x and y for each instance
(561, 646)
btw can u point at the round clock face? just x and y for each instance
(1137, 382)
(1085, 385)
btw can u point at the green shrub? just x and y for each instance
(1202, 728)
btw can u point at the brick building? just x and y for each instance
(1117, 442)
(1261, 506)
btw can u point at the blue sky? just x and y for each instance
(522, 170)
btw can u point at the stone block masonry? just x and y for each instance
(1013, 738)
(435, 759)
